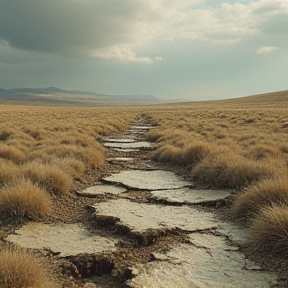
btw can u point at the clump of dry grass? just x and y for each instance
(5, 134)
(8, 172)
(51, 178)
(20, 269)
(24, 199)
(189, 155)
(226, 169)
(11, 153)
(167, 154)
(154, 135)
(93, 156)
(35, 133)
(269, 230)
(261, 151)
(266, 192)
(72, 166)
(195, 152)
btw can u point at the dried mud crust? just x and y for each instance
(112, 269)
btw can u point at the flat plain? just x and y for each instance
(48, 154)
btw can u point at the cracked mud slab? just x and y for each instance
(148, 180)
(67, 239)
(125, 150)
(207, 262)
(122, 140)
(233, 233)
(138, 127)
(121, 159)
(133, 145)
(190, 196)
(139, 217)
(102, 189)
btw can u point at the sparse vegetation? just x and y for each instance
(45, 149)
(264, 193)
(20, 269)
(24, 199)
(238, 144)
(243, 146)
(269, 230)
(49, 177)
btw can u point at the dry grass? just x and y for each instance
(189, 155)
(24, 199)
(264, 193)
(252, 134)
(20, 269)
(226, 144)
(8, 172)
(269, 230)
(51, 178)
(246, 149)
(45, 149)
(11, 153)
(227, 169)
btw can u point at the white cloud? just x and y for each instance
(120, 53)
(266, 49)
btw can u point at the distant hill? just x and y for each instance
(268, 100)
(55, 96)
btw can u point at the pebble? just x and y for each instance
(90, 285)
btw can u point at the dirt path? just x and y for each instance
(142, 226)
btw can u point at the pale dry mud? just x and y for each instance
(190, 196)
(119, 140)
(130, 145)
(139, 217)
(140, 127)
(120, 159)
(65, 239)
(148, 180)
(208, 257)
(102, 189)
(207, 262)
(126, 150)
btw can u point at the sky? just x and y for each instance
(171, 49)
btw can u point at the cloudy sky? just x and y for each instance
(173, 49)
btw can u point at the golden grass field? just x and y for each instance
(239, 144)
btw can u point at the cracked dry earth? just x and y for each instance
(141, 226)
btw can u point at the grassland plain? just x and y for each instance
(44, 151)
(239, 144)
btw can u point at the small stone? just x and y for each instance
(70, 285)
(90, 285)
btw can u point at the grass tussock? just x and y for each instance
(93, 157)
(71, 166)
(24, 200)
(20, 269)
(189, 155)
(261, 151)
(51, 178)
(11, 153)
(269, 230)
(264, 193)
(226, 169)
(8, 172)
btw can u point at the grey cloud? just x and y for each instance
(268, 8)
(67, 25)
(276, 24)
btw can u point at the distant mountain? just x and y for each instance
(56, 96)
